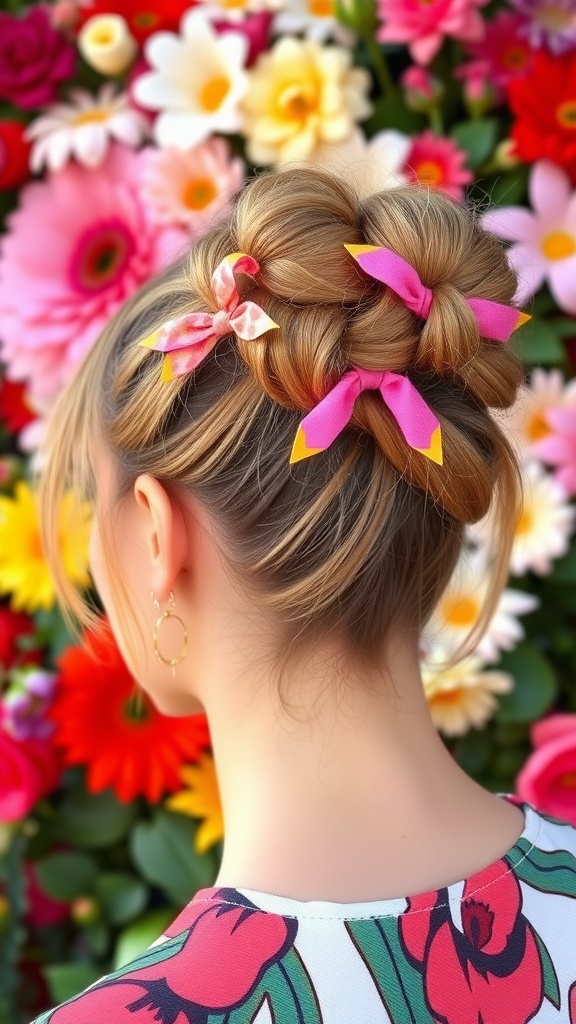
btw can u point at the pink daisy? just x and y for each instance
(504, 53)
(191, 188)
(558, 447)
(439, 163)
(423, 26)
(78, 245)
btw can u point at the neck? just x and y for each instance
(339, 799)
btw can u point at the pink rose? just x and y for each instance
(34, 58)
(548, 779)
(29, 770)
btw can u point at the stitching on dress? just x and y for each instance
(373, 917)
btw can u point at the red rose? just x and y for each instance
(479, 955)
(34, 58)
(14, 155)
(544, 104)
(29, 770)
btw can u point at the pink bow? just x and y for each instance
(188, 339)
(495, 321)
(328, 419)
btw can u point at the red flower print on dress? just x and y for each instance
(229, 946)
(478, 955)
(572, 1002)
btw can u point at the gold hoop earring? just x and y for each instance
(169, 614)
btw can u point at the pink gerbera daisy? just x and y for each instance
(438, 163)
(423, 26)
(78, 245)
(193, 188)
(504, 52)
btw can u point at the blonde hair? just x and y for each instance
(363, 538)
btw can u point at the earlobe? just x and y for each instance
(163, 531)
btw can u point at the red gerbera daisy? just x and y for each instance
(544, 104)
(143, 16)
(103, 723)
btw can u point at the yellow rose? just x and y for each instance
(106, 44)
(301, 94)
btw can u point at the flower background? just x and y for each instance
(126, 126)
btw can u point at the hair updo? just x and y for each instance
(360, 539)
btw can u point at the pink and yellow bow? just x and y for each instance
(495, 320)
(328, 419)
(188, 339)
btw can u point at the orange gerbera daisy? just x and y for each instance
(103, 722)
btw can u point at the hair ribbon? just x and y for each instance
(418, 424)
(495, 320)
(187, 340)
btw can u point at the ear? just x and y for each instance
(164, 532)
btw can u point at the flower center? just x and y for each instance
(460, 611)
(88, 116)
(525, 523)
(213, 93)
(145, 19)
(477, 920)
(429, 172)
(135, 709)
(296, 103)
(515, 58)
(101, 256)
(554, 18)
(558, 245)
(447, 698)
(102, 35)
(566, 114)
(537, 428)
(321, 8)
(568, 779)
(198, 193)
(35, 547)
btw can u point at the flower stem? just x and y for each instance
(380, 66)
(436, 119)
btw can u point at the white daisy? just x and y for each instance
(236, 10)
(371, 165)
(462, 696)
(525, 421)
(197, 81)
(316, 18)
(461, 604)
(83, 128)
(544, 527)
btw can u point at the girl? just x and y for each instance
(284, 440)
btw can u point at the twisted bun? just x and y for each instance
(332, 315)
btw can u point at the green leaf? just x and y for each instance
(300, 982)
(538, 344)
(121, 895)
(67, 980)
(564, 569)
(132, 950)
(94, 821)
(391, 112)
(535, 685)
(64, 876)
(551, 986)
(97, 936)
(399, 984)
(510, 188)
(163, 850)
(476, 138)
(549, 871)
(473, 751)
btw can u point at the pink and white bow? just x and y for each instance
(188, 339)
(327, 420)
(495, 320)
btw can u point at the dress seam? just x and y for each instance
(408, 910)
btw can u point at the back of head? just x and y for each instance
(361, 539)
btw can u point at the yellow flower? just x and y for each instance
(24, 572)
(299, 95)
(201, 800)
(461, 696)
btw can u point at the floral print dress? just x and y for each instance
(496, 948)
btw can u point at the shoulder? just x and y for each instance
(212, 958)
